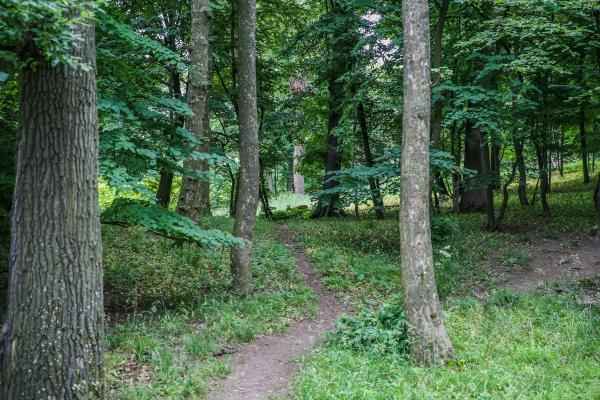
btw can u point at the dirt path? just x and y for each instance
(574, 259)
(265, 367)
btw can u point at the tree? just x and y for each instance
(249, 179)
(194, 197)
(53, 338)
(340, 62)
(423, 308)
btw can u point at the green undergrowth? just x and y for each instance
(359, 259)
(533, 347)
(510, 346)
(173, 315)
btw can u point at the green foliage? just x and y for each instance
(291, 213)
(502, 353)
(180, 312)
(156, 219)
(33, 31)
(353, 183)
(378, 333)
(442, 228)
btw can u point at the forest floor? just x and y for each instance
(521, 307)
(265, 367)
(573, 258)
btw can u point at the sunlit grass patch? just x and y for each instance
(542, 348)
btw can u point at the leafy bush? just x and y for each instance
(381, 332)
(441, 228)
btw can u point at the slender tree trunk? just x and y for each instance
(474, 194)
(333, 158)
(423, 309)
(597, 201)
(373, 183)
(341, 48)
(582, 133)
(165, 186)
(489, 178)
(232, 191)
(549, 168)
(438, 106)
(543, 178)
(54, 332)
(456, 186)
(263, 193)
(495, 163)
(584, 150)
(249, 180)
(561, 154)
(290, 172)
(518, 145)
(298, 177)
(194, 197)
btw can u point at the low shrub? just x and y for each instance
(381, 332)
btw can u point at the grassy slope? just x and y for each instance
(171, 310)
(537, 346)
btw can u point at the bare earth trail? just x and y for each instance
(265, 367)
(575, 258)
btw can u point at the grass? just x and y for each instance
(535, 346)
(542, 348)
(172, 311)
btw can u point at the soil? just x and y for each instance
(573, 258)
(266, 366)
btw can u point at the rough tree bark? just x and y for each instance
(373, 182)
(54, 332)
(194, 197)
(249, 180)
(423, 309)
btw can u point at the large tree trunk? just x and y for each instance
(373, 183)
(474, 194)
(249, 180)
(54, 332)
(423, 308)
(194, 197)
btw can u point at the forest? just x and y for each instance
(300, 199)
